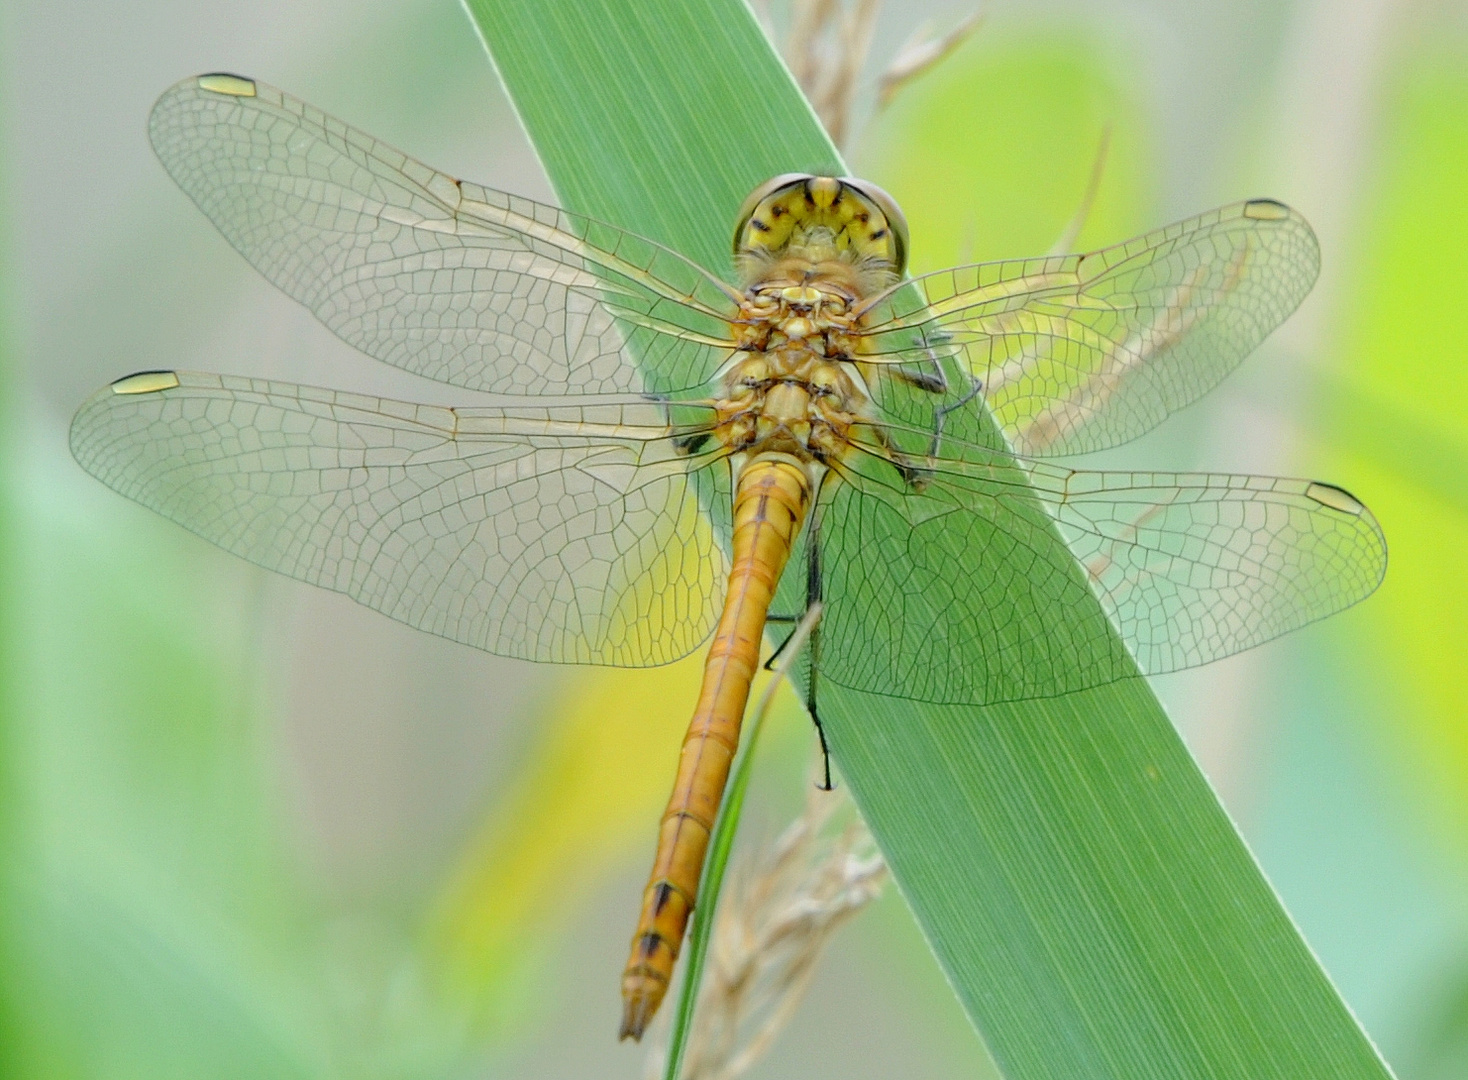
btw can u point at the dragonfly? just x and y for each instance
(655, 443)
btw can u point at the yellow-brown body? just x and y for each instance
(809, 248)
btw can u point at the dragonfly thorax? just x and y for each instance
(798, 306)
(790, 400)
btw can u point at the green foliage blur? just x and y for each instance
(235, 811)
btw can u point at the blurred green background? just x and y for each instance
(251, 829)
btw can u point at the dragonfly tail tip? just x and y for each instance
(636, 1012)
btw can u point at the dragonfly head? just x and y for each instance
(821, 221)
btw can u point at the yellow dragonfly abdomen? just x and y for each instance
(773, 497)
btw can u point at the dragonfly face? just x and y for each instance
(663, 440)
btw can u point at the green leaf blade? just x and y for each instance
(1091, 903)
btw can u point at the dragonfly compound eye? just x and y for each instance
(896, 220)
(748, 220)
(819, 217)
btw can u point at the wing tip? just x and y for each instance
(1274, 212)
(1368, 537)
(176, 98)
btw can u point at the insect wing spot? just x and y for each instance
(1266, 210)
(1335, 498)
(230, 85)
(145, 382)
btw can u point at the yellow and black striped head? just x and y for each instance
(821, 218)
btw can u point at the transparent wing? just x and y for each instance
(453, 281)
(1081, 352)
(567, 535)
(1194, 567)
(948, 599)
(984, 606)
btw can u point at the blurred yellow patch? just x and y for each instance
(591, 790)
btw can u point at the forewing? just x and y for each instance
(446, 279)
(566, 535)
(1082, 352)
(979, 603)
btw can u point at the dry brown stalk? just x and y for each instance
(778, 910)
(827, 45)
(920, 52)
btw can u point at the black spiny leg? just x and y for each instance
(931, 376)
(812, 597)
(789, 620)
(934, 381)
(691, 443)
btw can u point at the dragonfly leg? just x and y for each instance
(790, 620)
(810, 693)
(689, 443)
(812, 597)
(916, 475)
(692, 443)
(934, 382)
(930, 376)
(825, 784)
(940, 414)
